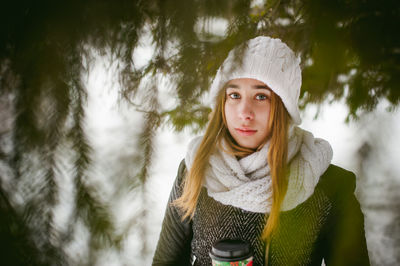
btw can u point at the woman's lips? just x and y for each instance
(246, 131)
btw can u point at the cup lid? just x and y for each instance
(230, 250)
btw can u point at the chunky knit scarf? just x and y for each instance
(246, 183)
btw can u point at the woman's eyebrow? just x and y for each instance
(261, 87)
(234, 86)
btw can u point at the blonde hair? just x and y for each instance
(277, 156)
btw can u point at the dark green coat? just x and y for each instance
(328, 226)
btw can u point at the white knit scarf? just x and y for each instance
(246, 183)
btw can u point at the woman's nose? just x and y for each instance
(246, 110)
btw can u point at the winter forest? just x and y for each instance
(98, 100)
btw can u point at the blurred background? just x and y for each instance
(99, 99)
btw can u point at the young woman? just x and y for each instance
(255, 175)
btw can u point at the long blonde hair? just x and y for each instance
(277, 157)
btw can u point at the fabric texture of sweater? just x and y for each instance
(328, 226)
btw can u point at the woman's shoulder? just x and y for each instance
(180, 176)
(337, 180)
(181, 171)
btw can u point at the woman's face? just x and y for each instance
(247, 108)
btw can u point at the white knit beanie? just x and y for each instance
(270, 61)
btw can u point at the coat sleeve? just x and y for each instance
(173, 247)
(346, 243)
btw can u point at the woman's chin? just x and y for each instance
(248, 144)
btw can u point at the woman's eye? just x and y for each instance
(261, 97)
(234, 95)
